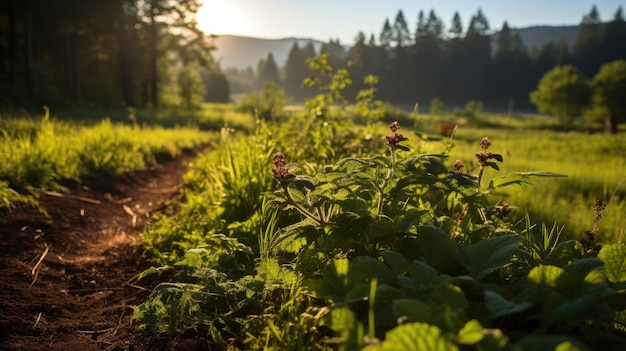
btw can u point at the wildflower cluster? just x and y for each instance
(590, 243)
(598, 207)
(456, 166)
(393, 140)
(280, 170)
(484, 156)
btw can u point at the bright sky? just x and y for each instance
(343, 19)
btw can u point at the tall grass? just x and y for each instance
(44, 154)
(594, 163)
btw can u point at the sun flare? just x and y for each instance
(223, 17)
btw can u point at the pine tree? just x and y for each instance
(588, 43)
(614, 37)
(295, 71)
(420, 29)
(268, 71)
(386, 36)
(456, 28)
(434, 25)
(401, 34)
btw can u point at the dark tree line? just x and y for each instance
(114, 52)
(454, 63)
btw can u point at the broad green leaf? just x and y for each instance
(436, 246)
(472, 333)
(271, 272)
(153, 270)
(323, 188)
(329, 177)
(567, 346)
(297, 195)
(581, 268)
(517, 179)
(487, 255)
(499, 306)
(422, 272)
(398, 264)
(412, 310)
(449, 294)
(352, 164)
(555, 278)
(409, 219)
(417, 336)
(342, 194)
(340, 319)
(565, 295)
(614, 258)
(348, 281)
(363, 268)
(551, 343)
(587, 299)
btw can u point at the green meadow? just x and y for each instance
(595, 165)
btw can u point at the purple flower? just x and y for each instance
(280, 170)
(393, 140)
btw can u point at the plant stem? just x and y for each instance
(301, 209)
(480, 175)
(381, 189)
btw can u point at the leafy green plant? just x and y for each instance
(378, 251)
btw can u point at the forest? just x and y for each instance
(151, 53)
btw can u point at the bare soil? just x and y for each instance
(67, 278)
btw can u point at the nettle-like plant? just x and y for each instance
(402, 253)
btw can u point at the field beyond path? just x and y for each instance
(66, 279)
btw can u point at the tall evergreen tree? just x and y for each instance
(456, 27)
(588, 43)
(401, 35)
(428, 57)
(434, 25)
(308, 51)
(295, 71)
(420, 28)
(268, 70)
(336, 52)
(386, 35)
(614, 37)
(477, 57)
(511, 67)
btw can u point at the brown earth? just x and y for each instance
(67, 280)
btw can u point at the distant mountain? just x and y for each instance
(242, 52)
(536, 36)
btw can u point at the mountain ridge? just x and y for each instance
(241, 52)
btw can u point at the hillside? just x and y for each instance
(538, 35)
(242, 52)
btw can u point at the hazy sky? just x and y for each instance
(343, 19)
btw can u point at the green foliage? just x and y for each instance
(331, 84)
(55, 152)
(192, 89)
(609, 87)
(437, 107)
(567, 200)
(267, 104)
(379, 252)
(562, 91)
(370, 109)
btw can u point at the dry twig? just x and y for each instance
(35, 271)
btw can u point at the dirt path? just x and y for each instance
(66, 280)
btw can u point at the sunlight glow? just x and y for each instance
(224, 17)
